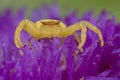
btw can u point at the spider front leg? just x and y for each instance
(29, 27)
(83, 27)
(94, 29)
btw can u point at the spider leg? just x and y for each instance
(83, 38)
(72, 30)
(26, 25)
(81, 26)
(94, 29)
(77, 37)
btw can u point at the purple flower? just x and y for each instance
(52, 59)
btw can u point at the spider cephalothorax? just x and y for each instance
(49, 28)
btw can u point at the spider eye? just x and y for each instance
(50, 22)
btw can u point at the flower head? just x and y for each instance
(52, 59)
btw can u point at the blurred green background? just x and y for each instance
(112, 6)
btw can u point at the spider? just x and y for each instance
(49, 28)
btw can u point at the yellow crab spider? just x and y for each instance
(48, 28)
